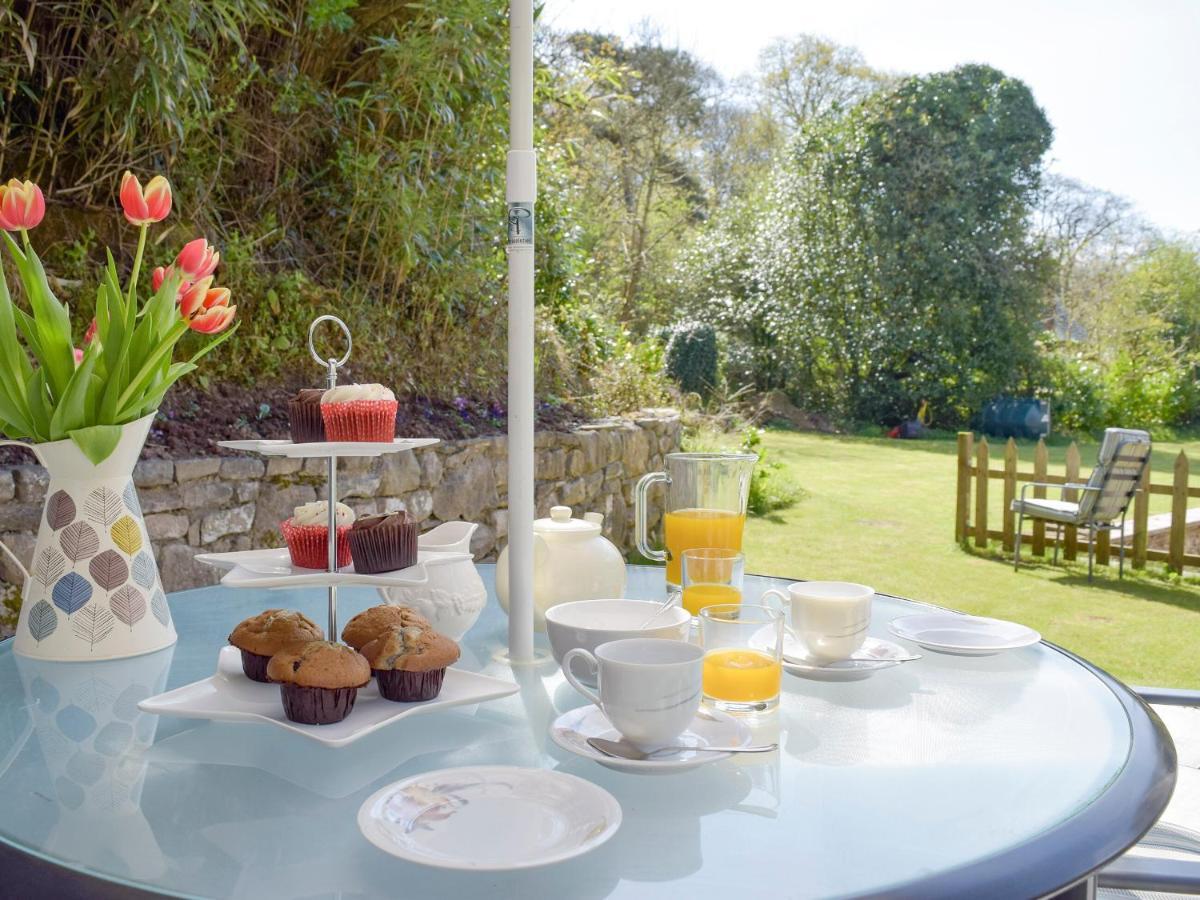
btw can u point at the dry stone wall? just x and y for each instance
(216, 504)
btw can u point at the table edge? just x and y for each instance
(1038, 867)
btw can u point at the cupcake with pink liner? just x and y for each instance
(307, 534)
(359, 412)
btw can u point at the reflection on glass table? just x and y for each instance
(920, 780)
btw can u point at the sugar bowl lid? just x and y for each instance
(560, 522)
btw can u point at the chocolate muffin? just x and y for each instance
(318, 681)
(304, 416)
(370, 623)
(261, 637)
(383, 543)
(410, 663)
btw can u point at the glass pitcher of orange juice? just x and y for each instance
(705, 505)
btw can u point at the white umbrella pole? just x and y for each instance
(521, 194)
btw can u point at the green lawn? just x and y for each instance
(882, 512)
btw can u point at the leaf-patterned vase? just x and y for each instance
(93, 591)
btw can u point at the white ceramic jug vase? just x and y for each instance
(93, 591)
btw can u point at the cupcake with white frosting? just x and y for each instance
(307, 534)
(359, 412)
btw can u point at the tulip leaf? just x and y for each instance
(150, 368)
(39, 406)
(97, 441)
(71, 411)
(14, 367)
(149, 402)
(51, 317)
(215, 343)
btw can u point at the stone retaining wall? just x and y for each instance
(236, 503)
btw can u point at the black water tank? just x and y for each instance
(1020, 417)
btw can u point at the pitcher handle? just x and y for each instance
(642, 517)
(3, 547)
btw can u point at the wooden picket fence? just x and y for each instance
(975, 470)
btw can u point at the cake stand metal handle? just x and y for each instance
(333, 365)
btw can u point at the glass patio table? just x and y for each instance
(1014, 775)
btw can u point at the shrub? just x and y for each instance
(770, 487)
(692, 358)
(630, 378)
(1074, 388)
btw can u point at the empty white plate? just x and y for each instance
(963, 635)
(711, 727)
(873, 655)
(229, 696)
(489, 818)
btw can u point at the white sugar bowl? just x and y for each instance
(571, 561)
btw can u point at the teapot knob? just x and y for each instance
(560, 514)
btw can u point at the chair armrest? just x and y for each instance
(1168, 696)
(1148, 873)
(1062, 487)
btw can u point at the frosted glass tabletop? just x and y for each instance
(921, 780)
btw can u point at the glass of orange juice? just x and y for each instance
(743, 652)
(711, 575)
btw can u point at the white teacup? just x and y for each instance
(649, 687)
(830, 618)
(590, 623)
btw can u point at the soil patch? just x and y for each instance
(191, 420)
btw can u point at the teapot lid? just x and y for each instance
(560, 522)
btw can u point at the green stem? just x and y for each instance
(137, 263)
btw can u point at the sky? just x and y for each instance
(1118, 79)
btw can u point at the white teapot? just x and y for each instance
(571, 561)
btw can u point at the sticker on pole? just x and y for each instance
(520, 224)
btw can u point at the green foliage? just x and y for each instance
(692, 357)
(771, 486)
(629, 378)
(1073, 386)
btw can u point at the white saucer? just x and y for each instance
(873, 655)
(572, 729)
(489, 818)
(229, 696)
(963, 635)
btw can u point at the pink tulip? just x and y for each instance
(22, 205)
(197, 259)
(78, 356)
(143, 207)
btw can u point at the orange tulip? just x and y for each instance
(192, 300)
(22, 205)
(213, 320)
(206, 309)
(197, 259)
(90, 334)
(145, 206)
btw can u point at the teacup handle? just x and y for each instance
(784, 603)
(569, 657)
(784, 607)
